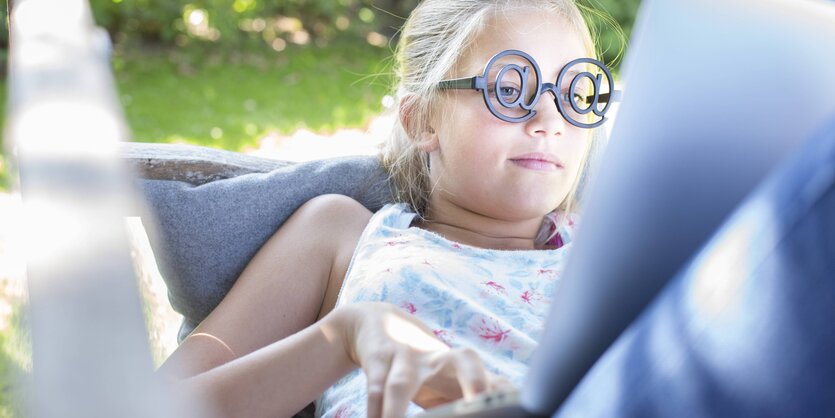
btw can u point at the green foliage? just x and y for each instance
(235, 24)
(245, 22)
(230, 22)
(4, 40)
(145, 20)
(4, 27)
(611, 22)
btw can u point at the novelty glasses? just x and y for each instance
(511, 95)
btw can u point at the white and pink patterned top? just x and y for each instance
(494, 301)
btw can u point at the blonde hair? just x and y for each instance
(430, 46)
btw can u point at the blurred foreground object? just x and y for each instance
(90, 351)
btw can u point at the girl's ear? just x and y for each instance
(428, 140)
(408, 103)
(424, 137)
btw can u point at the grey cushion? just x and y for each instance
(205, 235)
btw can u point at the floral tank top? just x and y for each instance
(493, 301)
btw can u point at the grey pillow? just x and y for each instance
(205, 235)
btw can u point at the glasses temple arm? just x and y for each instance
(615, 96)
(469, 83)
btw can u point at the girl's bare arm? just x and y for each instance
(280, 379)
(281, 291)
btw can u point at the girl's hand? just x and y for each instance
(404, 361)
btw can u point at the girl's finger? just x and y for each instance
(461, 373)
(500, 384)
(376, 371)
(472, 377)
(402, 385)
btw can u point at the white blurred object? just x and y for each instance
(90, 351)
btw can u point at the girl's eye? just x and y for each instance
(508, 91)
(579, 99)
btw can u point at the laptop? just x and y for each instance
(717, 94)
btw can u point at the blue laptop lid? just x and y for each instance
(717, 94)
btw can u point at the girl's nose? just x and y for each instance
(548, 122)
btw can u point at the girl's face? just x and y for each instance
(503, 170)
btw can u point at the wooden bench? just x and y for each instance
(192, 164)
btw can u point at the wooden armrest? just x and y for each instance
(192, 163)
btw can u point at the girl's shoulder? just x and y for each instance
(334, 214)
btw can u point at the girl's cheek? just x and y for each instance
(485, 118)
(577, 148)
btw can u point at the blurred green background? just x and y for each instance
(225, 73)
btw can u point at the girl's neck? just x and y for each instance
(466, 227)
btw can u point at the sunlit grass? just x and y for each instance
(15, 363)
(231, 99)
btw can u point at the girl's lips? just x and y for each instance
(539, 165)
(538, 161)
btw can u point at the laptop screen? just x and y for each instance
(706, 114)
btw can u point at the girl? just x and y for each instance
(497, 109)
